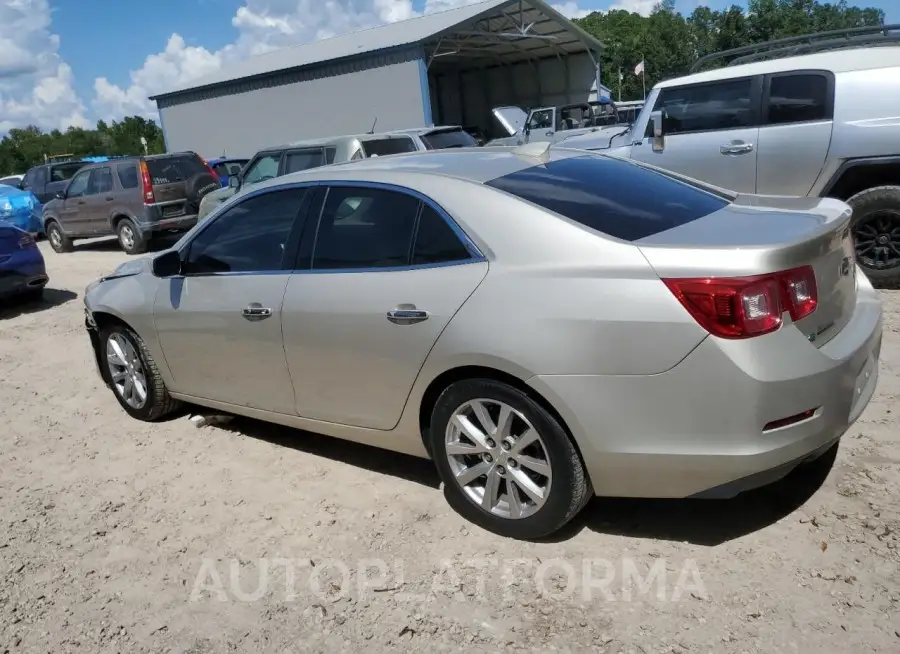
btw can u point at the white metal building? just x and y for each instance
(450, 67)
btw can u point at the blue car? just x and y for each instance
(22, 270)
(21, 209)
(226, 167)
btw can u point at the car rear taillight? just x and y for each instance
(741, 307)
(800, 290)
(26, 241)
(146, 184)
(211, 171)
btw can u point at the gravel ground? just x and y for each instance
(119, 536)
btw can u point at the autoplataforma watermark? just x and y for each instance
(474, 580)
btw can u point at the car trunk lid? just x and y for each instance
(758, 235)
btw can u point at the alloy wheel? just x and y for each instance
(877, 239)
(498, 458)
(126, 236)
(55, 239)
(126, 370)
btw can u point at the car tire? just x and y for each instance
(57, 238)
(554, 465)
(156, 403)
(873, 210)
(131, 239)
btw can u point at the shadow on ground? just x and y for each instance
(112, 244)
(52, 297)
(701, 522)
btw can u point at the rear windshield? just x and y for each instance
(176, 168)
(455, 138)
(63, 172)
(385, 146)
(616, 197)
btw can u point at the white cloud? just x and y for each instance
(571, 9)
(36, 85)
(263, 26)
(642, 7)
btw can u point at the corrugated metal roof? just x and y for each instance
(392, 35)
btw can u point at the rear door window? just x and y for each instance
(101, 181)
(436, 242)
(365, 228)
(618, 198)
(708, 107)
(297, 160)
(455, 138)
(798, 98)
(174, 168)
(391, 145)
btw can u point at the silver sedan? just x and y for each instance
(545, 325)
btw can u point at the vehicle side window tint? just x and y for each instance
(128, 176)
(249, 237)
(40, 177)
(436, 242)
(221, 170)
(101, 181)
(266, 167)
(78, 187)
(329, 155)
(28, 180)
(797, 98)
(708, 107)
(365, 228)
(303, 160)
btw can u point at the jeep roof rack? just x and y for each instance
(853, 37)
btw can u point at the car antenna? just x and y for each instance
(375, 122)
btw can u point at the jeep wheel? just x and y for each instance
(876, 231)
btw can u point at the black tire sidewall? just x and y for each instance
(864, 204)
(557, 511)
(146, 411)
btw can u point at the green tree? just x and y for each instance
(25, 147)
(669, 43)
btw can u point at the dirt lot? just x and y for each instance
(122, 536)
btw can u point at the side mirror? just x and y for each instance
(168, 264)
(659, 135)
(234, 181)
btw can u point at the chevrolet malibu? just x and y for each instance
(544, 324)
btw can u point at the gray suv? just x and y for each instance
(822, 124)
(133, 198)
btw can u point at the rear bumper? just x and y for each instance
(154, 220)
(698, 429)
(24, 271)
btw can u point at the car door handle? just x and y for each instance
(548, 133)
(256, 312)
(407, 316)
(736, 148)
(81, 202)
(109, 198)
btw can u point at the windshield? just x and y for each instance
(389, 145)
(451, 138)
(175, 168)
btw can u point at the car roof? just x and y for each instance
(837, 61)
(473, 164)
(328, 140)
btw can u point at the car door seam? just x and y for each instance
(434, 344)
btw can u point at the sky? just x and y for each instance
(73, 62)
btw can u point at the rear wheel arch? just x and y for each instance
(443, 381)
(856, 176)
